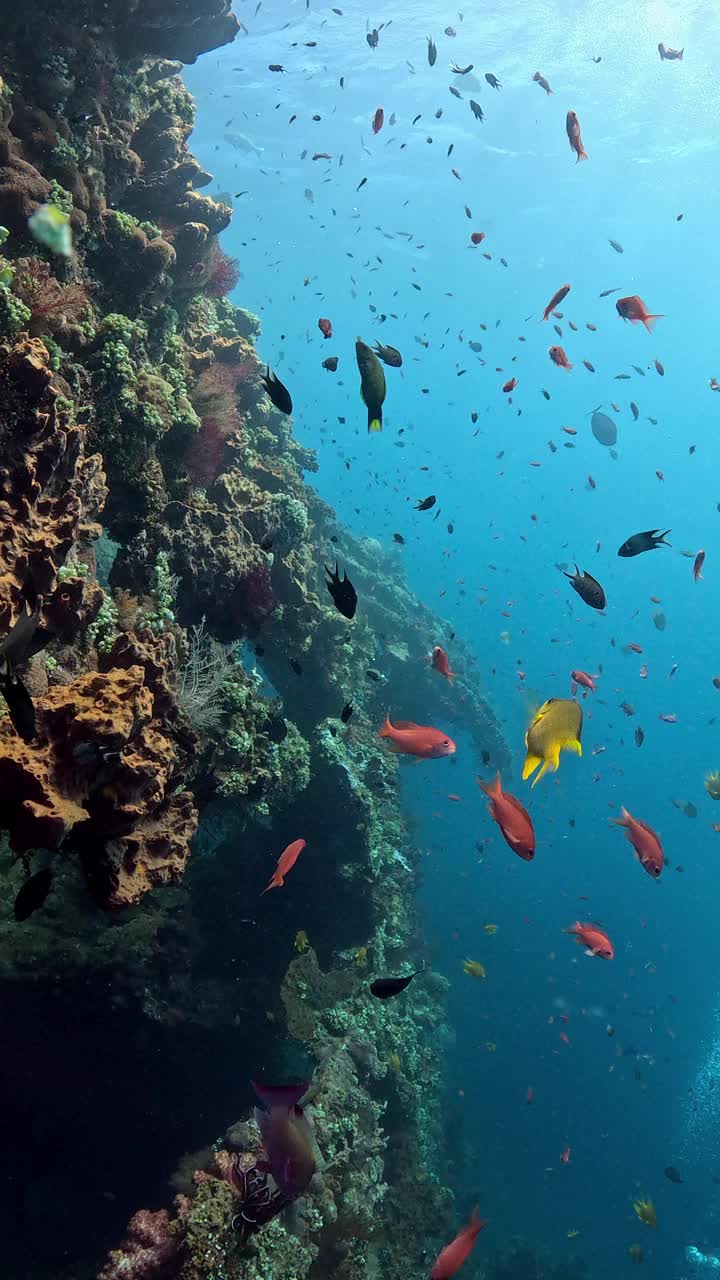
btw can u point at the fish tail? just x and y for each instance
(622, 821)
(374, 420)
(680, 55)
(659, 537)
(649, 321)
(281, 1095)
(492, 788)
(275, 883)
(386, 731)
(530, 765)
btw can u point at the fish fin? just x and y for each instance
(276, 882)
(530, 765)
(405, 724)
(659, 538)
(513, 800)
(649, 321)
(493, 788)
(280, 1095)
(374, 424)
(622, 821)
(573, 744)
(387, 728)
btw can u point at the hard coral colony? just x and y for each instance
(198, 660)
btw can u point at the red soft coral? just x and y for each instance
(148, 1251)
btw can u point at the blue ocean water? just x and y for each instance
(632, 1091)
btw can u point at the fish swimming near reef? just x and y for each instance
(287, 1136)
(342, 591)
(240, 142)
(32, 894)
(420, 740)
(385, 988)
(373, 387)
(451, 1258)
(278, 393)
(512, 818)
(25, 638)
(441, 663)
(556, 727)
(286, 862)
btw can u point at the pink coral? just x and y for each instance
(148, 1251)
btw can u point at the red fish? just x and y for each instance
(378, 120)
(286, 1135)
(510, 385)
(513, 820)
(451, 1258)
(582, 678)
(644, 841)
(286, 861)
(441, 663)
(565, 1155)
(593, 938)
(558, 357)
(697, 566)
(556, 299)
(410, 739)
(325, 327)
(477, 237)
(572, 126)
(634, 310)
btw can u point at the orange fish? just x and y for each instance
(644, 841)
(572, 126)
(565, 1155)
(634, 310)
(582, 678)
(513, 820)
(286, 861)
(378, 120)
(441, 663)
(410, 739)
(451, 1258)
(477, 237)
(593, 938)
(510, 385)
(556, 299)
(697, 566)
(558, 357)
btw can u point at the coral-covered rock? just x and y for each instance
(99, 779)
(22, 188)
(148, 1252)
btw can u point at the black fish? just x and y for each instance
(383, 988)
(346, 712)
(461, 71)
(431, 52)
(342, 591)
(19, 703)
(388, 355)
(647, 541)
(295, 665)
(279, 394)
(276, 729)
(397, 537)
(426, 503)
(672, 1173)
(373, 675)
(330, 364)
(492, 80)
(32, 894)
(477, 110)
(588, 588)
(639, 736)
(373, 38)
(485, 757)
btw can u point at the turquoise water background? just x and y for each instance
(630, 1103)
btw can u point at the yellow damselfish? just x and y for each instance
(473, 969)
(556, 727)
(645, 1210)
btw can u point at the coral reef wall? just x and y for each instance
(188, 719)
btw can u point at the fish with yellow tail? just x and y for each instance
(373, 387)
(556, 727)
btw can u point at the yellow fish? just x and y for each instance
(645, 1210)
(573, 1233)
(556, 727)
(490, 929)
(302, 941)
(473, 968)
(712, 785)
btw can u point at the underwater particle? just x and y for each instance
(477, 110)
(342, 591)
(385, 988)
(556, 727)
(278, 393)
(712, 785)
(451, 1258)
(286, 862)
(672, 1174)
(670, 55)
(572, 128)
(588, 588)
(697, 565)
(644, 841)
(633, 309)
(330, 364)
(411, 739)
(593, 938)
(32, 894)
(389, 355)
(301, 942)
(647, 541)
(490, 929)
(346, 712)
(473, 969)
(646, 1212)
(556, 299)
(360, 955)
(538, 79)
(325, 327)
(559, 358)
(426, 504)
(373, 387)
(603, 429)
(637, 1253)
(431, 51)
(441, 663)
(512, 818)
(50, 226)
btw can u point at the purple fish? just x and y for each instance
(286, 1135)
